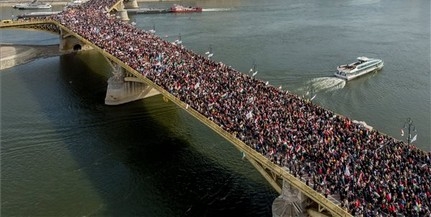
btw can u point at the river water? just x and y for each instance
(65, 153)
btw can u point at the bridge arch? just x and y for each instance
(77, 47)
(69, 43)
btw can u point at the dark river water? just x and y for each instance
(65, 153)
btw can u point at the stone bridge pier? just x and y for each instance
(121, 12)
(291, 203)
(124, 87)
(69, 43)
(130, 4)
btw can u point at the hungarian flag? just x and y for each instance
(414, 138)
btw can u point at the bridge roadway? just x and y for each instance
(273, 172)
(262, 163)
(251, 154)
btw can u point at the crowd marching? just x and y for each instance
(370, 173)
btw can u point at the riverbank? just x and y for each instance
(12, 55)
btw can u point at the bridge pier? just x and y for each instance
(68, 43)
(130, 4)
(291, 203)
(123, 87)
(123, 15)
(121, 12)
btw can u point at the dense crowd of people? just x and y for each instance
(370, 173)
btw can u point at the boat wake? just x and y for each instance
(216, 9)
(324, 84)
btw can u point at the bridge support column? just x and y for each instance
(68, 43)
(292, 202)
(123, 87)
(270, 177)
(123, 15)
(130, 4)
(121, 12)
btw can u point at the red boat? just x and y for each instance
(181, 9)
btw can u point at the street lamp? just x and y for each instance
(408, 124)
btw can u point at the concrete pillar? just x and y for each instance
(130, 4)
(121, 12)
(123, 15)
(291, 202)
(123, 89)
(68, 43)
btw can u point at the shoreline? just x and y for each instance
(16, 54)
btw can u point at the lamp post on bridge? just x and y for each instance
(408, 125)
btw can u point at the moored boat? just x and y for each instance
(148, 11)
(362, 66)
(37, 14)
(33, 5)
(182, 9)
(75, 3)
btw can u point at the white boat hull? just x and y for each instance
(32, 6)
(350, 76)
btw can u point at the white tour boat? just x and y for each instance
(362, 66)
(33, 5)
(75, 3)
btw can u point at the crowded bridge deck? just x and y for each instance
(323, 154)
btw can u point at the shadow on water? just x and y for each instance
(135, 158)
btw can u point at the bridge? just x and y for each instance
(320, 162)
